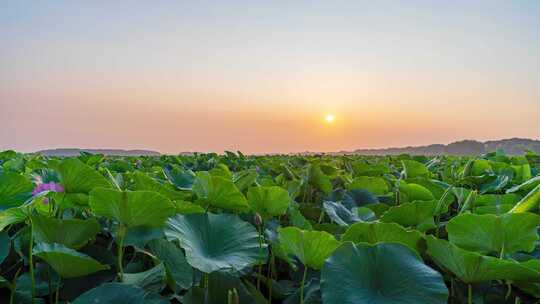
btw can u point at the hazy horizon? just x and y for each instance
(261, 77)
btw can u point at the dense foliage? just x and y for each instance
(231, 228)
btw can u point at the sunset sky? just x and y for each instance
(261, 76)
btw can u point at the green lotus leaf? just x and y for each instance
(481, 167)
(529, 202)
(244, 179)
(522, 173)
(139, 236)
(497, 199)
(186, 207)
(494, 209)
(182, 179)
(151, 280)
(526, 186)
(146, 183)
(179, 272)
(67, 262)
(345, 217)
(375, 185)
(219, 192)
(472, 267)
(373, 233)
(412, 169)
(414, 192)
(132, 208)
(363, 169)
(77, 177)
(437, 188)
(418, 214)
(310, 247)
(15, 189)
(117, 293)
(268, 201)
(318, 179)
(12, 216)
(359, 198)
(73, 233)
(216, 242)
(383, 273)
(297, 219)
(507, 233)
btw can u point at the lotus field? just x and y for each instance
(209, 228)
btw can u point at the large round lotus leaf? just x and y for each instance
(73, 233)
(77, 177)
(373, 233)
(471, 267)
(116, 293)
(216, 241)
(414, 192)
(413, 169)
(310, 247)
(67, 262)
(15, 189)
(507, 233)
(375, 185)
(379, 274)
(268, 201)
(219, 192)
(416, 214)
(437, 188)
(132, 208)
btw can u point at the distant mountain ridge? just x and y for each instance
(512, 146)
(117, 152)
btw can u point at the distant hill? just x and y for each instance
(117, 152)
(513, 146)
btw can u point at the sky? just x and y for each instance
(260, 76)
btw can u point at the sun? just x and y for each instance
(329, 118)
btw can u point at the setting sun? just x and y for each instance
(329, 118)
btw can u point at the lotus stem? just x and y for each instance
(259, 230)
(14, 286)
(270, 275)
(58, 291)
(121, 235)
(302, 285)
(509, 291)
(31, 260)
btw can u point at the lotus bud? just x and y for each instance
(258, 219)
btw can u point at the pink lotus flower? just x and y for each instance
(51, 186)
